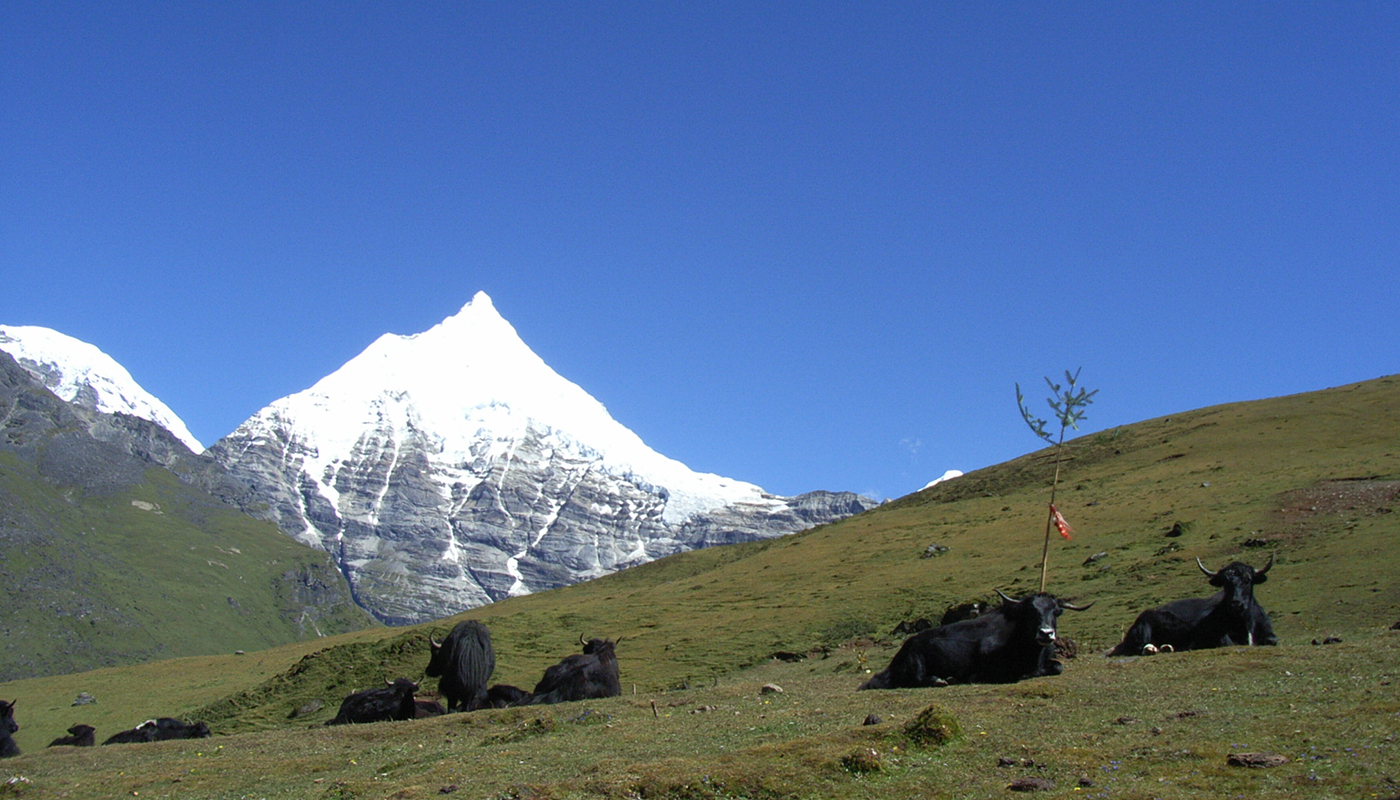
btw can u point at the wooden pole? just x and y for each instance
(1050, 512)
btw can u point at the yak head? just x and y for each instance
(7, 716)
(1037, 612)
(1237, 580)
(598, 646)
(402, 686)
(437, 662)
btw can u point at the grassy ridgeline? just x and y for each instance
(1311, 477)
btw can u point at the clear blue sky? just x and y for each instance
(808, 245)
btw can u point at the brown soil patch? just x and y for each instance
(1332, 504)
(1348, 499)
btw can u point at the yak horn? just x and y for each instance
(1073, 607)
(582, 641)
(388, 682)
(434, 643)
(1203, 568)
(1268, 565)
(1007, 597)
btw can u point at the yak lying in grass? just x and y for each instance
(78, 736)
(1229, 617)
(1009, 643)
(423, 709)
(160, 730)
(581, 677)
(503, 695)
(391, 702)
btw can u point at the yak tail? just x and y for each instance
(476, 659)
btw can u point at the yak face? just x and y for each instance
(1047, 612)
(435, 660)
(1237, 581)
(1038, 613)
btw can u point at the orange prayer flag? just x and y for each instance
(1060, 524)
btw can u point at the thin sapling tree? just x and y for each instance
(1068, 403)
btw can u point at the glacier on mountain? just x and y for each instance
(82, 374)
(451, 468)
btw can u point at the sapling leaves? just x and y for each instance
(1068, 406)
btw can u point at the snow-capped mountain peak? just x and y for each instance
(453, 467)
(472, 373)
(81, 373)
(947, 475)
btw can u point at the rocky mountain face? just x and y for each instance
(83, 375)
(118, 544)
(453, 468)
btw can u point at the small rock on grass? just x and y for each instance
(1256, 760)
(1032, 785)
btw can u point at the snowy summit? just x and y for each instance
(948, 475)
(468, 376)
(451, 468)
(82, 374)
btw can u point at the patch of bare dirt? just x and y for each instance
(1333, 503)
(1355, 497)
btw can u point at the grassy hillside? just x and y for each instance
(148, 571)
(107, 558)
(1314, 478)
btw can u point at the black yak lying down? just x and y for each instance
(160, 730)
(1009, 643)
(1229, 617)
(581, 677)
(78, 736)
(503, 695)
(394, 701)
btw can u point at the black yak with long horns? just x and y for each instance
(1231, 616)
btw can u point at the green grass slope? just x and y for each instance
(107, 557)
(1314, 478)
(151, 571)
(1163, 727)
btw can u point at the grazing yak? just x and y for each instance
(581, 677)
(78, 736)
(1006, 644)
(1229, 617)
(160, 730)
(8, 727)
(463, 663)
(393, 701)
